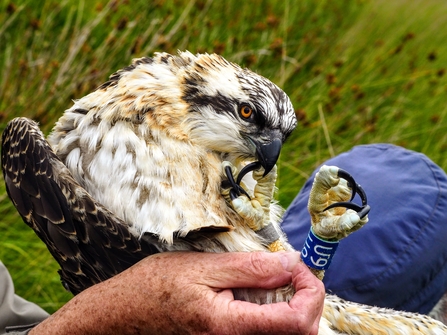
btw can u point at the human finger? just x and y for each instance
(254, 270)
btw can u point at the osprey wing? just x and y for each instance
(89, 242)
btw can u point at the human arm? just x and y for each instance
(190, 293)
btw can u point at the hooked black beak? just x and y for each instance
(268, 153)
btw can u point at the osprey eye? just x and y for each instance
(246, 111)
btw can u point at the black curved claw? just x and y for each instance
(236, 188)
(351, 182)
(363, 210)
(246, 169)
(362, 195)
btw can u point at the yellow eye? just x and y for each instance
(246, 112)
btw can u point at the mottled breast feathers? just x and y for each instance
(149, 142)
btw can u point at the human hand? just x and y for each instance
(190, 293)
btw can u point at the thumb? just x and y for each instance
(253, 269)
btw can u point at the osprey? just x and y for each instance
(174, 153)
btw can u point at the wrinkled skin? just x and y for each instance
(190, 293)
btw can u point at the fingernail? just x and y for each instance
(289, 260)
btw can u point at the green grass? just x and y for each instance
(357, 72)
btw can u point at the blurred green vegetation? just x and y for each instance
(357, 72)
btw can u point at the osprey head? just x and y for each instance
(204, 98)
(235, 112)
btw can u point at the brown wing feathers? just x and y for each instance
(89, 243)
